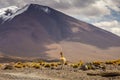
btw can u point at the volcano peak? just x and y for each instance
(36, 7)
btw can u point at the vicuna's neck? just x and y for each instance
(61, 55)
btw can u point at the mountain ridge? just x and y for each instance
(40, 31)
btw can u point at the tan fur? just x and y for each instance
(62, 60)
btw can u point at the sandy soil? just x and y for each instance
(53, 74)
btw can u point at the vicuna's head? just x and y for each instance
(61, 54)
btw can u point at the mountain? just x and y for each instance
(40, 31)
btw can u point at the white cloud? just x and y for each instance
(72, 7)
(94, 7)
(116, 30)
(107, 23)
(89, 8)
(112, 26)
(113, 4)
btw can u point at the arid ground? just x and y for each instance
(67, 73)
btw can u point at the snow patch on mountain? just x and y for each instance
(4, 11)
(45, 9)
(16, 11)
(19, 12)
(12, 8)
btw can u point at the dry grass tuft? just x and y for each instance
(7, 66)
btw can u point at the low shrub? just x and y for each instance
(110, 74)
(7, 66)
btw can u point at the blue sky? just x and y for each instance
(101, 13)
